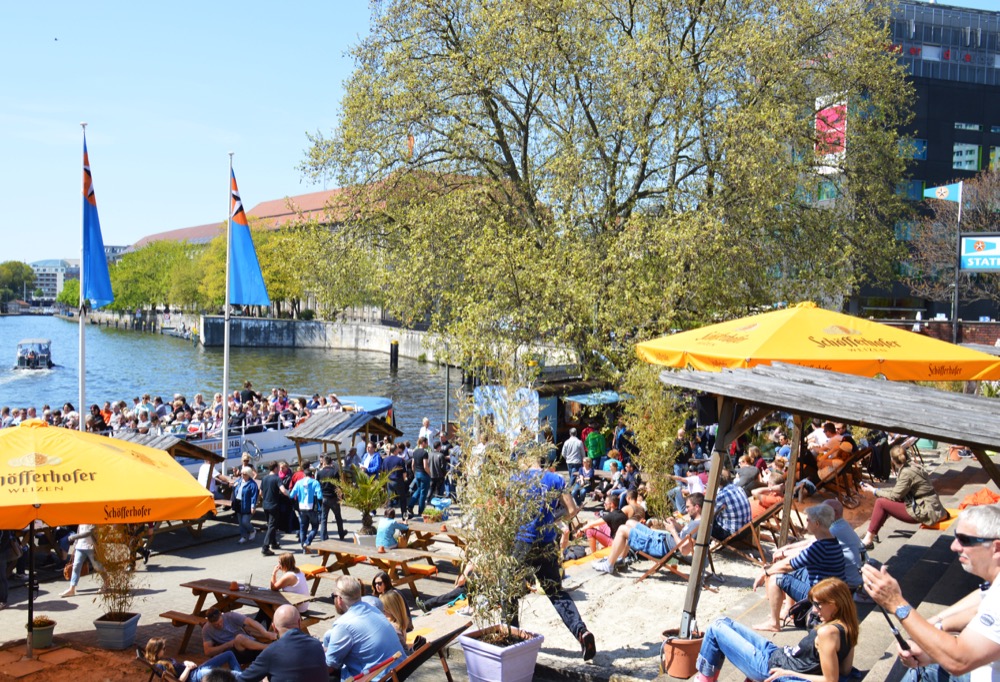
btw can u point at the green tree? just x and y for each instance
(70, 294)
(146, 277)
(580, 173)
(14, 277)
(930, 271)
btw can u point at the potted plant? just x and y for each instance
(496, 502)
(366, 494)
(42, 628)
(113, 548)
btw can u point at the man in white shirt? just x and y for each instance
(964, 638)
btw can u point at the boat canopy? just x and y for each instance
(598, 398)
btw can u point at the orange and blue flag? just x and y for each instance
(94, 268)
(246, 282)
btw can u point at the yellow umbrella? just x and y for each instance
(65, 477)
(807, 335)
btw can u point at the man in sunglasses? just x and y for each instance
(965, 637)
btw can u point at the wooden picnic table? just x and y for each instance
(228, 599)
(421, 534)
(346, 555)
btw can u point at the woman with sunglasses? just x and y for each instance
(381, 583)
(823, 655)
(912, 500)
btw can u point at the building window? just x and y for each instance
(975, 127)
(965, 156)
(913, 148)
(911, 189)
(995, 129)
(827, 190)
(994, 158)
(904, 230)
(931, 52)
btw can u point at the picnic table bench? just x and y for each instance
(404, 564)
(421, 535)
(227, 599)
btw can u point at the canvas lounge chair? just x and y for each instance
(843, 481)
(420, 656)
(669, 562)
(749, 534)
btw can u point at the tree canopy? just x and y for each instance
(581, 173)
(14, 277)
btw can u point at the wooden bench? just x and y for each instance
(180, 619)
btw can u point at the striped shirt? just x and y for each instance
(823, 559)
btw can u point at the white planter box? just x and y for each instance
(488, 663)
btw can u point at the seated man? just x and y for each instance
(361, 637)
(656, 543)
(294, 657)
(603, 528)
(791, 578)
(232, 631)
(732, 509)
(964, 639)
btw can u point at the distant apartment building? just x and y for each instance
(51, 275)
(952, 55)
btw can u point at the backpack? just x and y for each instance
(801, 616)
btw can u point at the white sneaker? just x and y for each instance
(243, 541)
(253, 534)
(604, 567)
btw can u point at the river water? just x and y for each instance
(123, 364)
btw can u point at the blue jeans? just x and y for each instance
(245, 526)
(573, 469)
(747, 650)
(307, 518)
(225, 658)
(421, 489)
(78, 556)
(934, 673)
(795, 584)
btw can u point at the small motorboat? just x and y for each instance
(34, 354)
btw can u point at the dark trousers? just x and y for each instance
(444, 599)
(437, 487)
(331, 505)
(400, 496)
(543, 559)
(720, 533)
(271, 536)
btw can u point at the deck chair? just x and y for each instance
(155, 671)
(843, 481)
(423, 654)
(750, 534)
(377, 670)
(669, 562)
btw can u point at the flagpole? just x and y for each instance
(958, 268)
(81, 379)
(225, 317)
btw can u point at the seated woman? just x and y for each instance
(774, 485)
(286, 577)
(603, 528)
(188, 671)
(826, 653)
(385, 533)
(584, 481)
(911, 500)
(381, 583)
(394, 608)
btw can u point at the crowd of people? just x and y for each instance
(249, 412)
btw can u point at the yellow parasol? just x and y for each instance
(65, 477)
(807, 335)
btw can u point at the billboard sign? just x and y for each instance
(980, 253)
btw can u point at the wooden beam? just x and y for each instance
(988, 464)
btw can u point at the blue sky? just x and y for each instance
(168, 89)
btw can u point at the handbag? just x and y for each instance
(68, 569)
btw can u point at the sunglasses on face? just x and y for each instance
(379, 582)
(817, 604)
(972, 540)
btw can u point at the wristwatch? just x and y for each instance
(903, 611)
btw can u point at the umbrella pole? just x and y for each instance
(31, 585)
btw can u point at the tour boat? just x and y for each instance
(34, 354)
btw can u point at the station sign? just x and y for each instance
(980, 252)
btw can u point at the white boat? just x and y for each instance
(266, 446)
(34, 354)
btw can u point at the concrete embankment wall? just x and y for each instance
(271, 333)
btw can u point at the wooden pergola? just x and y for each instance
(337, 428)
(176, 446)
(746, 396)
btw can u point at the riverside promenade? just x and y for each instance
(627, 618)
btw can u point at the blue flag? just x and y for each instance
(952, 192)
(246, 283)
(94, 268)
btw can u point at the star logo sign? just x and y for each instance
(941, 193)
(979, 246)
